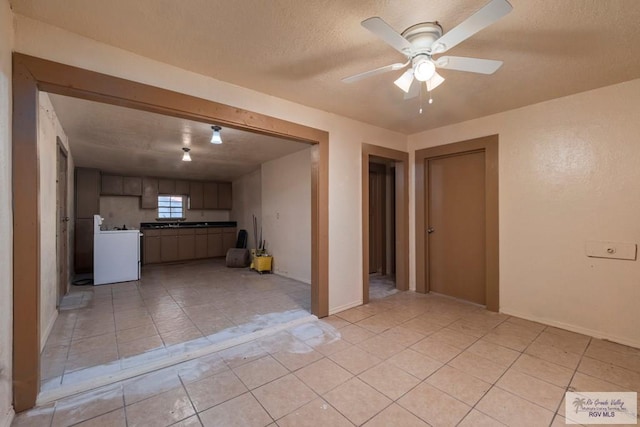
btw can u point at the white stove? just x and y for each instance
(116, 254)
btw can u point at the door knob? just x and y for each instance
(430, 230)
(65, 219)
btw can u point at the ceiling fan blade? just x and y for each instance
(434, 82)
(386, 68)
(384, 31)
(405, 80)
(472, 65)
(484, 17)
(414, 90)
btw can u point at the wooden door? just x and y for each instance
(62, 222)
(377, 226)
(456, 226)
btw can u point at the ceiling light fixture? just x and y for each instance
(215, 137)
(423, 69)
(186, 157)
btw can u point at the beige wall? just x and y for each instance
(6, 219)
(569, 173)
(122, 210)
(247, 201)
(49, 129)
(286, 214)
(345, 136)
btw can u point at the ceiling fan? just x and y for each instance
(420, 42)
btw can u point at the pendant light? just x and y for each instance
(215, 137)
(186, 157)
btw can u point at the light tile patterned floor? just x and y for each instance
(405, 360)
(173, 308)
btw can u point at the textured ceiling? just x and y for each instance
(299, 50)
(133, 142)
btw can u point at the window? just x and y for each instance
(170, 207)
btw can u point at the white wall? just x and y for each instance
(49, 129)
(286, 214)
(345, 136)
(247, 201)
(569, 173)
(6, 218)
(124, 210)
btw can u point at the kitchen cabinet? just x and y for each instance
(186, 244)
(166, 186)
(131, 186)
(83, 251)
(169, 246)
(87, 203)
(195, 195)
(228, 239)
(149, 193)
(201, 243)
(214, 243)
(111, 185)
(87, 193)
(210, 195)
(182, 187)
(224, 195)
(151, 249)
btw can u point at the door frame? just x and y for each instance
(63, 263)
(401, 159)
(380, 173)
(489, 145)
(31, 75)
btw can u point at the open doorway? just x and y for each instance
(384, 222)
(62, 221)
(382, 228)
(32, 75)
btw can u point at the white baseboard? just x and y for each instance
(344, 307)
(47, 330)
(7, 418)
(573, 328)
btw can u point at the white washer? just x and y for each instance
(116, 254)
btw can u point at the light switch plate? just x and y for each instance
(614, 250)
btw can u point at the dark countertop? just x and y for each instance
(182, 224)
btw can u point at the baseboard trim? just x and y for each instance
(7, 418)
(49, 396)
(344, 307)
(573, 328)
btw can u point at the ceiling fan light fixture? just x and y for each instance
(215, 136)
(405, 80)
(186, 157)
(423, 69)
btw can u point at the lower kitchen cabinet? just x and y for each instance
(151, 248)
(169, 248)
(186, 244)
(214, 243)
(176, 244)
(201, 243)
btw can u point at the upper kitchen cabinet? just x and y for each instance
(210, 195)
(173, 186)
(182, 187)
(196, 200)
(111, 185)
(166, 186)
(224, 195)
(131, 186)
(87, 193)
(149, 193)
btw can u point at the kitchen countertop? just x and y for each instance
(205, 224)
